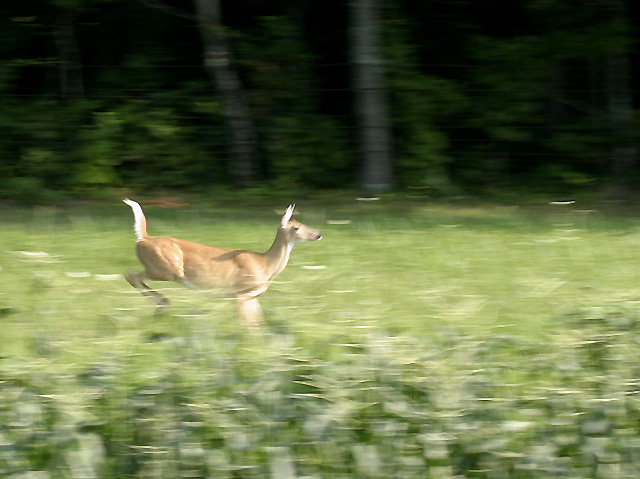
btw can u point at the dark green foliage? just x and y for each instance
(144, 143)
(305, 146)
(319, 155)
(422, 105)
(110, 93)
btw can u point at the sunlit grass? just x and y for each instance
(478, 342)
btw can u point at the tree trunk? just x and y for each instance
(620, 110)
(370, 97)
(621, 124)
(68, 53)
(219, 65)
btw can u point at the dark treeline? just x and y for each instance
(450, 96)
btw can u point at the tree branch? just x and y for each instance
(176, 12)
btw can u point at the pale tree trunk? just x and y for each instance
(623, 149)
(219, 65)
(68, 53)
(621, 114)
(370, 97)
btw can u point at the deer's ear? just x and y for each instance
(287, 215)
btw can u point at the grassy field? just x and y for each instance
(413, 341)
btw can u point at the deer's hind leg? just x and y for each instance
(137, 281)
(160, 264)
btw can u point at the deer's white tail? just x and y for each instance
(140, 225)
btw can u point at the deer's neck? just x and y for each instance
(277, 256)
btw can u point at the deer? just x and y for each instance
(240, 274)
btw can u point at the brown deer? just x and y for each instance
(242, 274)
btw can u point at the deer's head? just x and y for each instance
(296, 232)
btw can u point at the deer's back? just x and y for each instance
(197, 265)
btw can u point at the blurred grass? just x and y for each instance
(413, 341)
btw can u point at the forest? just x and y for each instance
(448, 98)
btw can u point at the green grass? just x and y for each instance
(413, 341)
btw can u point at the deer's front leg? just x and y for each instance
(249, 310)
(136, 280)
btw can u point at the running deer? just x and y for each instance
(242, 274)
